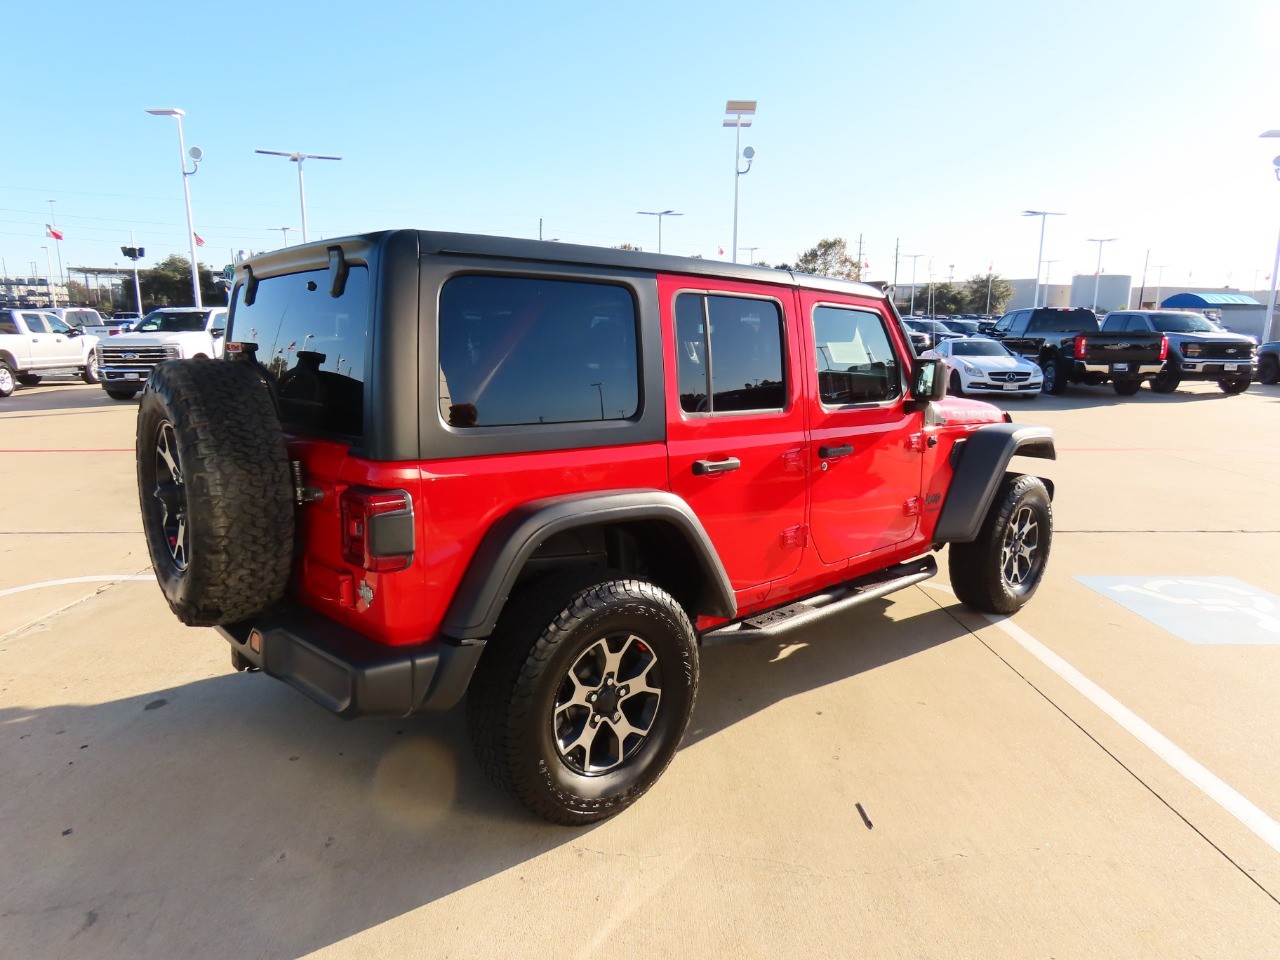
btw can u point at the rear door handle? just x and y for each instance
(703, 467)
(833, 453)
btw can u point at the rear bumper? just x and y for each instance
(349, 674)
(1143, 370)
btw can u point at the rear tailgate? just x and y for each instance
(1135, 349)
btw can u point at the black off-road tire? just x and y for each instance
(7, 381)
(90, 372)
(1269, 369)
(28, 379)
(1127, 387)
(220, 528)
(1233, 385)
(121, 394)
(516, 708)
(1055, 376)
(1167, 380)
(989, 574)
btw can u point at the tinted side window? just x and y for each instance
(1040, 323)
(730, 349)
(57, 326)
(855, 358)
(35, 323)
(312, 345)
(7, 323)
(517, 350)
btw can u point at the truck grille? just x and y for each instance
(1218, 351)
(128, 356)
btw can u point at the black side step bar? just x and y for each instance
(833, 600)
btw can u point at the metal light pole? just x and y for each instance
(53, 296)
(1048, 282)
(751, 254)
(913, 257)
(302, 191)
(53, 219)
(285, 232)
(196, 156)
(737, 109)
(659, 214)
(1097, 274)
(1159, 268)
(1271, 326)
(1042, 214)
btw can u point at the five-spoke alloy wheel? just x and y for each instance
(1001, 568)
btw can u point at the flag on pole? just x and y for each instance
(721, 250)
(199, 240)
(52, 231)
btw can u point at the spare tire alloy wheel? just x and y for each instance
(215, 490)
(1000, 570)
(7, 384)
(171, 495)
(583, 693)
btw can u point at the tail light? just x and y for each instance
(1082, 347)
(1164, 348)
(377, 529)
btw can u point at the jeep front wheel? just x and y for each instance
(1000, 570)
(215, 490)
(583, 694)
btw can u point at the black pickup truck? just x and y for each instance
(1070, 349)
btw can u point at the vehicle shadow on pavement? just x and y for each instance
(232, 811)
(51, 398)
(1078, 397)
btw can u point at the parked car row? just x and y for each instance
(37, 343)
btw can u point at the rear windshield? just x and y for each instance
(165, 321)
(1063, 321)
(312, 345)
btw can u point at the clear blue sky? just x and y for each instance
(924, 121)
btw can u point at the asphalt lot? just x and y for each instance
(906, 780)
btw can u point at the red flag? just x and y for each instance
(52, 231)
(721, 250)
(199, 240)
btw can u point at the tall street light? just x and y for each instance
(1097, 274)
(196, 155)
(302, 192)
(659, 214)
(736, 110)
(913, 257)
(285, 233)
(1271, 326)
(1042, 214)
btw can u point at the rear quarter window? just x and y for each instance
(312, 347)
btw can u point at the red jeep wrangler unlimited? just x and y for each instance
(537, 474)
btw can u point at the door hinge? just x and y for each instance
(911, 507)
(795, 536)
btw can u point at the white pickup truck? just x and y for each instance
(167, 333)
(35, 344)
(88, 321)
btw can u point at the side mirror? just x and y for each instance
(218, 332)
(928, 379)
(74, 332)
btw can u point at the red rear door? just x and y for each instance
(735, 436)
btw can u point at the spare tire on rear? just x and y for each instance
(215, 490)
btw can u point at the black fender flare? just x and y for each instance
(978, 468)
(510, 542)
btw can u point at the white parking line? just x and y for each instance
(106, 578)
(1212, 787)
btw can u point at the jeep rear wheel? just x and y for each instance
(1000, 570)
(215, 490)
(583, 694)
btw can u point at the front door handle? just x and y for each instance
(832, 453)
(702, 468)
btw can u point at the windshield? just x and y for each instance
(978, 348)
(1182, 323)
(167, 321)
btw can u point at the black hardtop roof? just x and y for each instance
(438, 243)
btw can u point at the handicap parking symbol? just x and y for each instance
(1197, 609)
